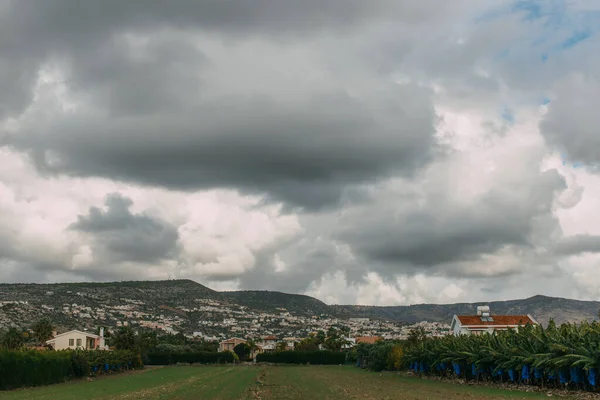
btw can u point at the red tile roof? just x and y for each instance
(498, 320)
(367, 339)
(270, 338)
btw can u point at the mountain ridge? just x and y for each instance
(185, 292)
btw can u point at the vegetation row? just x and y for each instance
(566, 356)
(190, 357)
(303, 357)
(35, 368)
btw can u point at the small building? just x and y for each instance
(367, 339)
(270, 339)
(485, 322)
(78, 340)
(229, 344)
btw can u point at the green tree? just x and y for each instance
(12, 339)
(281, 346)
(416, 335)
(146, 341)
(252, 346)
(242, 350)
(335, 339)
(320, 337)
(123, 339)
(43, 330)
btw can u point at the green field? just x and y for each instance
(265, 383)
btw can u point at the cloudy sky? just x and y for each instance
(371, 152)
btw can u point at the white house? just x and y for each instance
(78, 340)
(484, 321)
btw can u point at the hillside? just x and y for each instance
(188, 305)
(265, 300)
(543, 308)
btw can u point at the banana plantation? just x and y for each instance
(565, 356)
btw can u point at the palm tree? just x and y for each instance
(281, 346)
(253, 347)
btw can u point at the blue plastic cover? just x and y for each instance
(591, 375)
(525, 372)
(562, 376)
(537, 373)
(575, 375)
(511, 374)
(456, 368)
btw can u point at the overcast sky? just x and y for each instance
(372, 152)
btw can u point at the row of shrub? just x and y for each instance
(303, 357)
(194, 357)
(568, 355)
(380, 356)
(35, 368)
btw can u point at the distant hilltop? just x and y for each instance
(159, 297)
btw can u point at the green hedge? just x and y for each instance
(35, 368)
(303, 357)
(192, 357)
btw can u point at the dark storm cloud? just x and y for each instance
(407, 236)
(125, 236)
(303, 153)
(160, 117)
(34, 32)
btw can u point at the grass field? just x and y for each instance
(265, 383)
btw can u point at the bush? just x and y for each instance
(383, 355)
(112, 361)
(33, 368)
(303, 357)
(193, 357)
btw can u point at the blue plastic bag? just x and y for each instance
(511, 374)
(575, 375)
(562, 376)
(525, 372)
(456, 368)
(591, 375)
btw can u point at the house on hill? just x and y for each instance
(484, 322)
(78, 340)
(229, 344)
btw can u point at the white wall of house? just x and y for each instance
(77, 340)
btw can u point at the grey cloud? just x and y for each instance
(577, 244)
(306, 260)
(303, 153)
(124, 236)
(161, 118)
(39, 31)
(572, 121)
(406, 236)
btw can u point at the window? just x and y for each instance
(78, 342)
(71, 342)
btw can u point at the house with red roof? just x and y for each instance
(484, 322)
